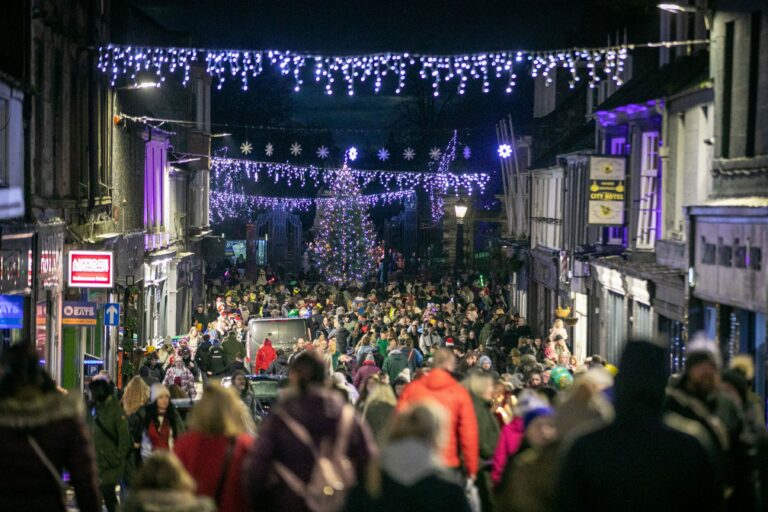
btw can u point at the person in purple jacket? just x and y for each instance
(309, 406)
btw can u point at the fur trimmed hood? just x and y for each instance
(39, 410)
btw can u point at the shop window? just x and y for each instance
(755, 258)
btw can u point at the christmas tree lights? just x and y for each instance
(345, 248)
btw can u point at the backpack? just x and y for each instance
(216, 358)
(332, 475)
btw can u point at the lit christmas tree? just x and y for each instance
(345, 248)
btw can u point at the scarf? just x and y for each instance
(160, 438)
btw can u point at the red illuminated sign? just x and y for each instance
(90, 269)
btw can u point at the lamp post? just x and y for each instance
(461, 211)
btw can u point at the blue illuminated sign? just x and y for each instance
(11, 312)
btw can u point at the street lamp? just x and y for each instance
(677, 8)
(461, 211)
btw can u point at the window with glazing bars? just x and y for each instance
(648, 199)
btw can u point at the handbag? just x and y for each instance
(49, 466)
(224, 471)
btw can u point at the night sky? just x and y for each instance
(371, 121)
(448, 26)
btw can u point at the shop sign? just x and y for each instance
(90, 269)
(606, 191)
(79, 313)
(11, 312)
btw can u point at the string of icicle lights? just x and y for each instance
(370, 70)
(234, 205)
(229, 174)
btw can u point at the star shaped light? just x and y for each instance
(505, 150)
(295, 149)
(246, 148)
(352, 153)
(409, 154)
(322, 152)
(269, 150)
(467, 153)
(435, 153)
(383, 154)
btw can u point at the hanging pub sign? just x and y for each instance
(606, 190)
(79, 313)
(90, 269)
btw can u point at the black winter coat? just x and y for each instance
(434, 493)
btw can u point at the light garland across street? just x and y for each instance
(227, 171)
(371, 70)
(235, 205)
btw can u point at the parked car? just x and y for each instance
(283, 332)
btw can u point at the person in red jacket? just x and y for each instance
(440, 386)
(265, 356)
(214, 449)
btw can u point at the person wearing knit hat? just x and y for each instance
(528, 480)
(161, 423)
(696, 404)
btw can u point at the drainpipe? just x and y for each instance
(93, 106)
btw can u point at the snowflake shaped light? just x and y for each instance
(383, 154)
(246, 148)
(505, 150)
(295, 149)
(322, 152)
(409, 154)
(352, 153)
(435, 153)
(467, 153)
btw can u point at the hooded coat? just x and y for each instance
(366, 370)
(462, 436)
(113, 442)
(56, 423)
(265, 356)
(396, 362)
(638, 463)
(231, 348)
(318, 410)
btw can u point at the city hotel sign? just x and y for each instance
(90, 269)
(606, 190)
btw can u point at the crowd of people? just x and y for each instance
(408, 395)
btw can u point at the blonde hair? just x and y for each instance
(744, 364)
(163, 471)
(381, 393)
(220, 413)
(426, 421)
(477, 382)
(136, 395)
